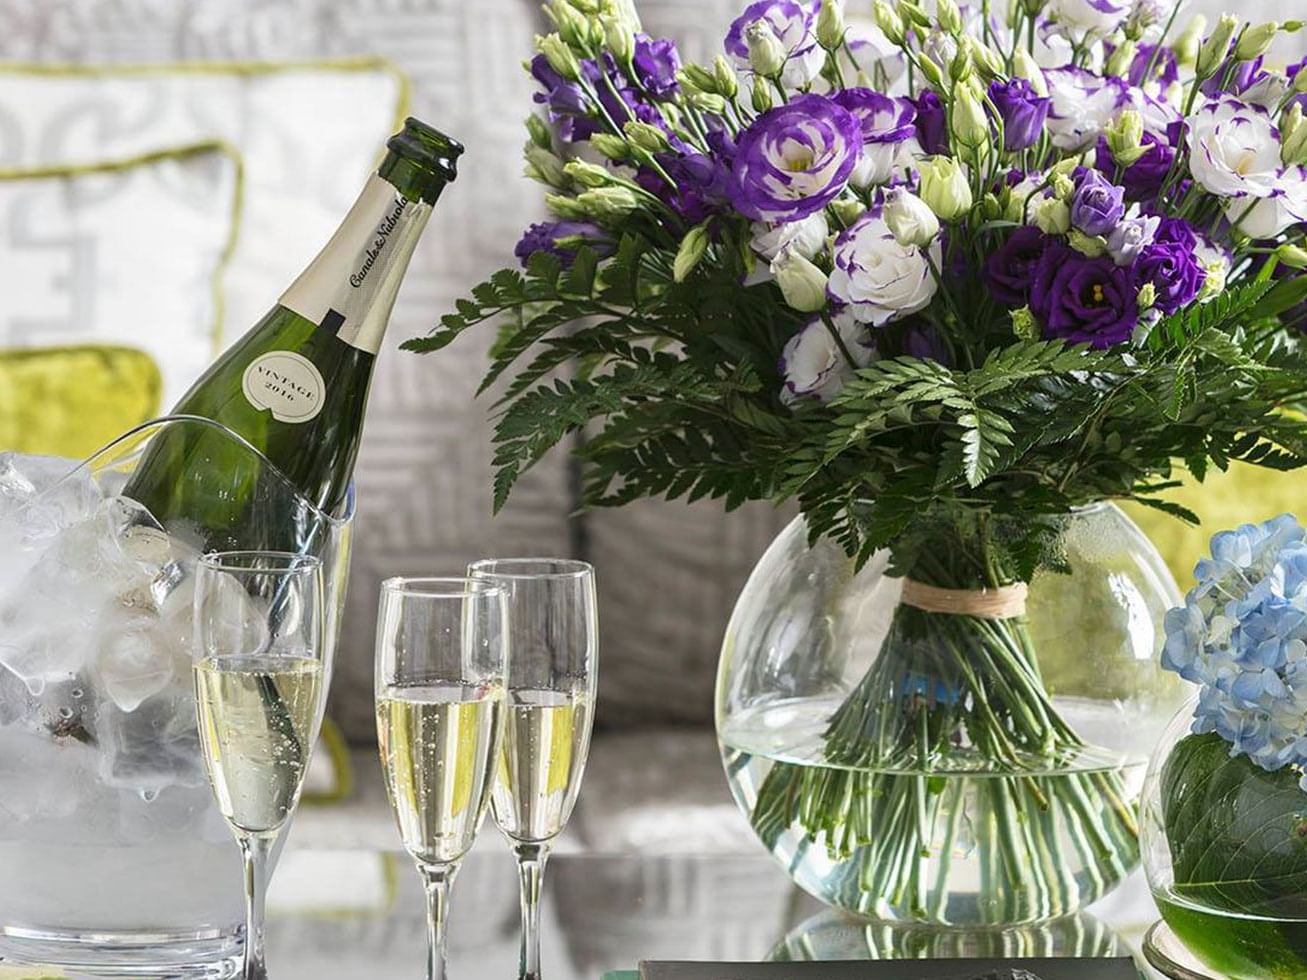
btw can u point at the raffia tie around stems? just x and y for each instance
(1004, 602)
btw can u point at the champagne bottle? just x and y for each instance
(296, 385)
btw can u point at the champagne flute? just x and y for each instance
(439, 698)
(259, 696)
(553, 645)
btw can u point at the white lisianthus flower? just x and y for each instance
(1079, 19)
(909, 219)
(802, 284)
(1234, 148)
(813, 365)
(786, 27)
(868, 52)
(1266, 217)
(807, 236)
(879, 279)
(1083, 105)
(1268, 91)
(1216, 262)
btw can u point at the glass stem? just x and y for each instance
(438, 879)
(531, 869)
(255, 850)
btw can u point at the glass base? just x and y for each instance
(838, 935)
(1168, 956)
(208, 955)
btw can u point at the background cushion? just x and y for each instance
(125, 253)
(307, 135)
(70, 401)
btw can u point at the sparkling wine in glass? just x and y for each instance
(551, 675)
(439, 702)
(259, 693)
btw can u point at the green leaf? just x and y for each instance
(1284, 295)
(1237, 833)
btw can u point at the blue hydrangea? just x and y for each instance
(1242, 637)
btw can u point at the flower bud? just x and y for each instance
(692, 248)
(573, 26)
(1024, 324)
(969, 124)
(830, 24)
(944, 188)
(848, 210)
(612, 147)
(1062, 187)
(540, 133)
(1147, 296)
(608, 202)
(949, 16)
(723, 73)
(1186, 45)
(560, 57)
(909, 220)
(959, 69)
(914, 15)
(1214, 50)
(1123, 56)
(991, 209)
(1091, 246)
(1025, 66)
(543, 165)
(1300, 81)
(890, 23)
(1294, 256)
(696, 78)
(1052, 216)
(567, 207)
(760, 96)
(987, 61)
(933, 75)
(586, 174)
(1125, 137)
(1293, 137)
(802, 284)
(646, 136)
(705, 102)
(766, 53)
(618, 39)
(1256, 41)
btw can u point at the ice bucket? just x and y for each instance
(113, 856)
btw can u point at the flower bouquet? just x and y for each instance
(1227, 801)
(942, 278)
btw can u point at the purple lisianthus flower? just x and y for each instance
(1010, 270)
(1084, 300)
(794, 159)
(887, 123)
(1022, 110)
(1243, 75)
(562, 238)
(655, 62)
(700, 179)
(567, 103)
(1143, 179)
(1098, 204)
(1165, 69)
(1171, 264)
(932, 123)
(791, 24)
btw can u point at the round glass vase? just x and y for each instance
(1225, 851)
(114, 859)
(945, 768)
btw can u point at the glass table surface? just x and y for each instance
(356, 914)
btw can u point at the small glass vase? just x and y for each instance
(113, 856)
(965, 769)
(1225, 851)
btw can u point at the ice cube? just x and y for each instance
(152, 747)
(136, 660)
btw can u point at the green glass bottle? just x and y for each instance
(296, 385)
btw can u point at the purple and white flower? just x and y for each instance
(790, 25)
(1234, 148)
(1131, 235)
(887, 126)
(807, 236)
(869, 53)
(1098, 204)
(1171, 265)
(1083, 105)
(1022, 110)
(794, 159)
(816, 365)
(1266, 217)
(879, 279)
(1080, 19)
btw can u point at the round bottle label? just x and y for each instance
(285, 383)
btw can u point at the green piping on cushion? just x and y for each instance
(125, 164)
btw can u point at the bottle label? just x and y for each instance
(287, 384)
(350, 287)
